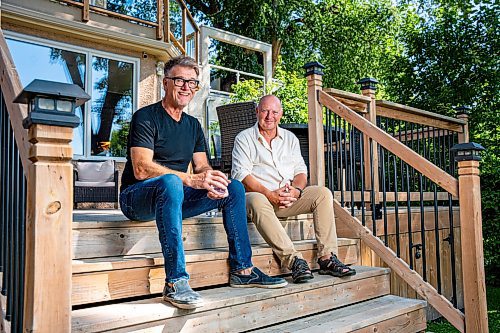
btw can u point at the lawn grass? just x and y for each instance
(493, 299)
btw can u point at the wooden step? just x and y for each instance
(104, 279)
(236, 309)
(384, 314)
(107, 233)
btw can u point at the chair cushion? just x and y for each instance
(95, 171)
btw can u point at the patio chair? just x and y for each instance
(233, 118)
(95, 181)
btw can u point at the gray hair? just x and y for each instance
(183, 61)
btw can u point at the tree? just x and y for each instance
(452, 59)
(290, 88)
(278, 22)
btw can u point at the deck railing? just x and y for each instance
(36, 215)
(12, 228)
(171, 19)
(398, 163)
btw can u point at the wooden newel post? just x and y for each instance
(476, 317)
(50, 123)
(314, 75)
(463, 114)
(48, 230)
(369, 88)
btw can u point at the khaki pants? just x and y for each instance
(315, 199)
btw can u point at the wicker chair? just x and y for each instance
(95, 181)
(233, 118)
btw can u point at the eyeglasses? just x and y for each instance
(180, 82)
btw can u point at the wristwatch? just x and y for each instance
(300, 191)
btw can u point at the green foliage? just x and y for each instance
(433, 54)
(118, 145)
(493, 299)
(289, 87)
(452, 59)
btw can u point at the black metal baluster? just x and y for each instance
(384, 199)
(401, 163)
(413, 144)
(388, 159)
(344, 157)
(372, 189)
(362, 166)
(341, 178)
(3, 191)
(10, 235)
(18, 270)
(436, 218)
(337, 147)
(408, 208)
(352, 169)
(452, 234)
(6, 254)
(396, 196)
(329, 164)
(422, 211)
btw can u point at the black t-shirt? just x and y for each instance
(172, 142)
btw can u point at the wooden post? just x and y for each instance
(166, 22)
(86, 11)
(47, 305)
(476, 316)
(314, 75)
(159, 20)
(463, 113)
(368, 88)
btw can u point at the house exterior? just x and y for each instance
(115, 51)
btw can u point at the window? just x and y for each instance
(109, 79)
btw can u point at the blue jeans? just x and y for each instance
(169, 201)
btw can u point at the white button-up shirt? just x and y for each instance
(273, 166)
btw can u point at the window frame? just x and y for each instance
(89, 54)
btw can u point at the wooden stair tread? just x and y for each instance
(114, 218)
(355, 317)
(98, 280)
(154, 259)
(101, 237)
(154, 312)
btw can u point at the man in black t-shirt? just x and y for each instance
(163, 140)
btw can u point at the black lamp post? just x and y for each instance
(469, 151)
(52, 103)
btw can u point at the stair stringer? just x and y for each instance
(401, 268)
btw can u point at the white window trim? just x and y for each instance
(88, 80)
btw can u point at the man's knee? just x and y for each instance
(256, 202)
(322, 195)
(236, 188)
(171, 186)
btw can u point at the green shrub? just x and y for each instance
(289, 87)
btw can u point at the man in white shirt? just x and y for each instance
(267, 160)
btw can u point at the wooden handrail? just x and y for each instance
(111, 13)
(176, 42)
(407, 113)
(358, 103)
(401, 268)
(11, 87)
(427, 168)
(347, 95)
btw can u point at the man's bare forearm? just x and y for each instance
(152, 169)
(300, 181)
